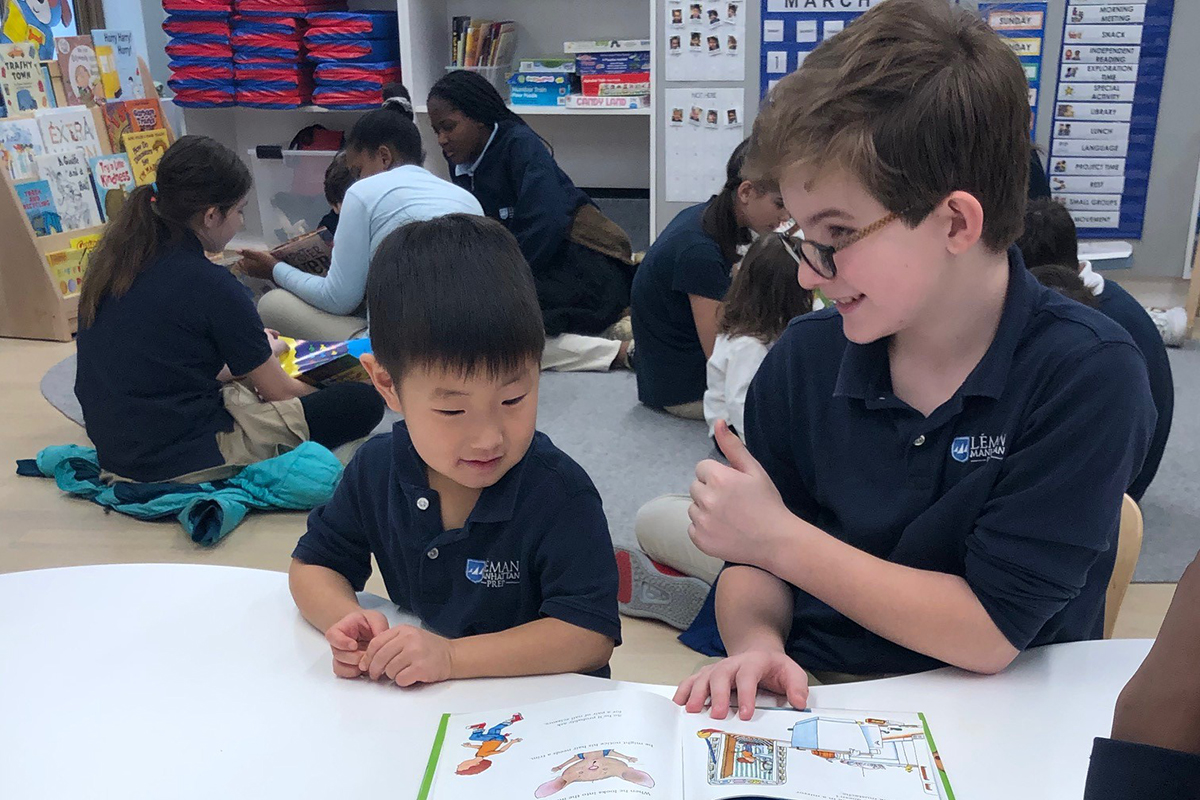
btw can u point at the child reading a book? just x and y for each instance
(384, 154)
(581, 261)
(679, 287)
(934, 466)
(160, 327)
(763, 298)
(481, 527)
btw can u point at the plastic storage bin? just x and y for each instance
(290, 187)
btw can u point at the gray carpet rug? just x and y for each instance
(634, 454)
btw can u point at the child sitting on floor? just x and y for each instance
(763, 298)
(337, 182)
(484, 529)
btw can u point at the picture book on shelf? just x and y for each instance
(311, 252)
(38, 202)
(68, 267)
(636, 744)
(21, 80)
(20, 142)
(70, 128)
(145, 115)
(70, 179)
(85, 242)
(113, 178)
(80, 71)
(482, 42)
(116, 124)
(145, 150)
(51, 92)
(118, 64)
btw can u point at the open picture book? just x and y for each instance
(629, 743)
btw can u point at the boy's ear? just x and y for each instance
(964, 213)
(382, 380)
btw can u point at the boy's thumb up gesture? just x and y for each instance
(736, 511)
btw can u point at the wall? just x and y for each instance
(1162, 250)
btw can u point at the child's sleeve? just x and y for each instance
(745, 357)
(1055, 506)
(235, 327)
(545, 204)
(577, 570)
(337, 536)
(341, 290)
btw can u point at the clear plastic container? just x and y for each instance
(497, 76)
(290, 191)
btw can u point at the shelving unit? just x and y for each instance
(31, 304)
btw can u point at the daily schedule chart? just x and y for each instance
(1106, 111)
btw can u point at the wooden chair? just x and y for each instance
(1129, 547)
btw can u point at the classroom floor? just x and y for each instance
(41, 528)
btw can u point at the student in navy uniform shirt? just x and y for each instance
(934, 467)
(678, 289)
(163, 332)
(1050, 239)
(581, 261)
(484, 529)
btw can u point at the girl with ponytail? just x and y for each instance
(678, 290)
(581, 261)
(384, 155)
(164, 332)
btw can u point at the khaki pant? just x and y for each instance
(573, 352)
(291, 316)
(692, 410)
(261, 430)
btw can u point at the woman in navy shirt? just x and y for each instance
(581, 260)
(177, 379)
(678, 289)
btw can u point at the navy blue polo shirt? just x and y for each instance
(536, 544)
(1119, 306)
(1015, 483)
(147, 368)
(684, 260)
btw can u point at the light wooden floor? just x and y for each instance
(39, 527)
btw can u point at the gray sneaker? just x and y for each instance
(655, 591)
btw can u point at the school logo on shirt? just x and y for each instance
(974, 449)
(506, 213)
(493, 574)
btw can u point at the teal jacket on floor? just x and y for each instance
(298, 480)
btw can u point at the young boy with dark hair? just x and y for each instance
(934, 467)
(484, 529)
(1050, 239)
(338, 180)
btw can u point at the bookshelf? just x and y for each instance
(31, 304)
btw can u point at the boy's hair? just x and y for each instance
(1049, 236)
(453, 292)
(916, 99)
(1066, 281)
(195, 174)
(337, 179)
(765, 295)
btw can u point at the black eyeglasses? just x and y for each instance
(819, 257)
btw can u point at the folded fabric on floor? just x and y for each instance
(331, 73)
(297, 480)
(341, 27)
(184, 26)
(362, 50)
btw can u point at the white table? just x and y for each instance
(178, 681)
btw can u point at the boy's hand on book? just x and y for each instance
(349, 638)
(734, 507)
(408, 655)
(746, 672)
(257, 264)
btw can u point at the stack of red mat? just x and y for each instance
(201, 52)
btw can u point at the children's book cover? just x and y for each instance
(145, 115)
(68, 129)
(80, 71)
(38, 202)
(21, 81)
(322, 364)
(310, 252)
(145, 150)
(20, 142)
(68, 267)
(116, 124)
(634, 744)
(70, 179)
(120, 59)
(113, 178)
